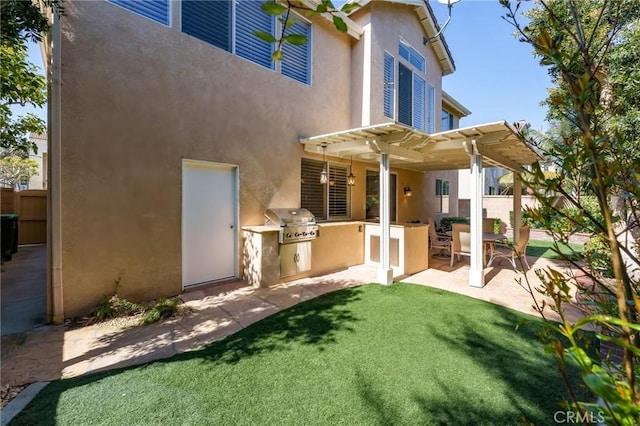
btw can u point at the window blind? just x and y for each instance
(405, 77)
(312, 192)
(157, 10)
(250, 17)
(389, 80)
(296, 60)
(209, 21)
(418, 102)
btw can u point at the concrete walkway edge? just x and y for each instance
(19, 402)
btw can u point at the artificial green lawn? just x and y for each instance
(371, 355)
(540, 248)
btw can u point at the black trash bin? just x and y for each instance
(9, 244)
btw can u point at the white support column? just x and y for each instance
(517, 206)
(385, 273)
(476, 271)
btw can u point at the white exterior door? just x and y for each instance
(209, 222)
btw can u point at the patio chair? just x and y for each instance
(438, 241)
(513, 252)
(461, 240)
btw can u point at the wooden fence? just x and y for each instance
(31, 207)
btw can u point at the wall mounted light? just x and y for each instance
(408, 192)
(351, 179)
(324, 176)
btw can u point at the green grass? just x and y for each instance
(372, 355)
(540, 248)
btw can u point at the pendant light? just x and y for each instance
(324, 176)
(351, 179)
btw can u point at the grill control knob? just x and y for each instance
(297, 234)
(288, 234)
(304, 234)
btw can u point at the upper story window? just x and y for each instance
(325, 201)
(229, 25)
(447, 121)
(411, 55)
(411, 87)
(157, 10)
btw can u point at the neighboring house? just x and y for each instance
(188, 114)
(39, 181)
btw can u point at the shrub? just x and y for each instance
(116, 307)
(446, 222)
(598, 255)
(164, 308)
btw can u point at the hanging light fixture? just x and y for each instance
(351, 179)
(324, 176)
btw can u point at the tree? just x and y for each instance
(21, 85)
(21, 21)
(14, 170)
(586, 45)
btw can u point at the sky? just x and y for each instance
(496, 76)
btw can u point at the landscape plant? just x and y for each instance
(592, 50)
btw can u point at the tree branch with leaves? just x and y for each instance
(585, 45)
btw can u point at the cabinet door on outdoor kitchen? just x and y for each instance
(295, 258)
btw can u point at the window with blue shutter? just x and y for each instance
(418, 102)
(405, 77)
(412, 108)
(209, 21)
(389, 81)
(296, 60)
(157, 10)
(431, 113)
(230, 25)
(250, 17)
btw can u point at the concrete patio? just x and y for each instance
(54, 352)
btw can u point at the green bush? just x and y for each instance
(164, 308)
(446, 222)
(598, 255)
(116, 307)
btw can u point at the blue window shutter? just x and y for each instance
(389, 81)
(296, 60)
(431, 110)
(209, 21)
(405, 77)
(157, 10)
(250, 17)
(418, 102)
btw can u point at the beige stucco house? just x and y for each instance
(187, 114)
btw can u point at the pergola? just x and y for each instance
(394, 144)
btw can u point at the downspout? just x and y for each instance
(54, 204)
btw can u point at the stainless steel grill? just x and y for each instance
(295, 225)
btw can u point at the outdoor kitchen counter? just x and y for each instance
(340, 245)
(408, 247)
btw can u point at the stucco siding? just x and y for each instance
(137, 98)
